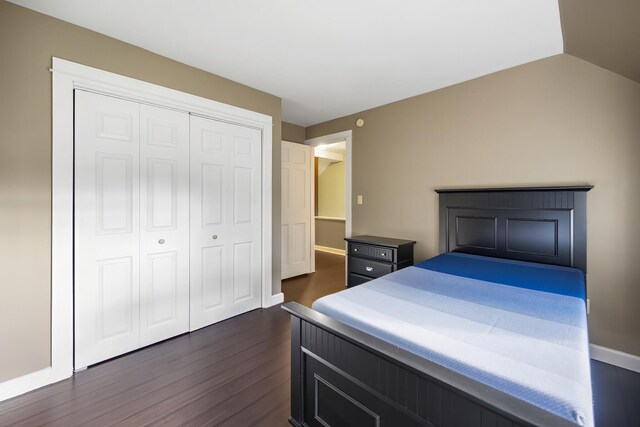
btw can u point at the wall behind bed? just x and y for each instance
(560, 120)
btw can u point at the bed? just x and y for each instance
(492, 332)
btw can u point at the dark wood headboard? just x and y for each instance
(537, 224)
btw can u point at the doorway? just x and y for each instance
(325, 145)
(330, 199)
(328, 264)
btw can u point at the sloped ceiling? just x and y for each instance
(605, 33)
(329, 58)
(332, 58)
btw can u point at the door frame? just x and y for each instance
(68, 76)
(347, 137)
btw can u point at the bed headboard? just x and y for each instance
(538, 224)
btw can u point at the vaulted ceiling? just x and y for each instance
(331, 58)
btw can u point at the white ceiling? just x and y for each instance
(329, 58)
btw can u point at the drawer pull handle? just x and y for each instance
(355, 249)
(161, 241)
(369, 268)
(383, 253)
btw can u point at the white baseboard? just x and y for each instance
(28, 382)
(615, 357)
(330, 250)
(277, 299)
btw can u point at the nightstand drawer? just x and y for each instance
(369, 268)
(370, 251)
(356, 279)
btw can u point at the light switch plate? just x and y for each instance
(359, 199)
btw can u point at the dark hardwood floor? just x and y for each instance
(328, 278)
(616, 395)
(234, 373)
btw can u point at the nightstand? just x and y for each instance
(370, 257)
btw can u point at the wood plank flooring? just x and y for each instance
(616, 395)
(328, 278)
(234, 373)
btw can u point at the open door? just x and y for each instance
(297, 169)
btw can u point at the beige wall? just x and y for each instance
(28, 40)
(605, 33)
(331, 191)
(330, 233)
(292, 133)
(556, 121)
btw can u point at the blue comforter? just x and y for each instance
(530, 341)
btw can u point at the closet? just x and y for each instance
(167, 224)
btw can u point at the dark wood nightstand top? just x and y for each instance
(380, 241)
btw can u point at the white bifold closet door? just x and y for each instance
(131, 248)
(226, 211)
(296, 209)
(164, 224)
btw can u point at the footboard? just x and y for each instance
(341, 376)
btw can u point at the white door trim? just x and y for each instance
(330, 139)
(68, 76)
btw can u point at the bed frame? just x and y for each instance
(341, 376)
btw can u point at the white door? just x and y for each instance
(106, 227)
(164, 224)
(225, 257)
(131, 226)
(296, 209)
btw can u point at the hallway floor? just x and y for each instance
(328, 279)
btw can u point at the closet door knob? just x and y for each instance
(161, 241)
(214, 237)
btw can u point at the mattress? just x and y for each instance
(527, 341)
(542, 277)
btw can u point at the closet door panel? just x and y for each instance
(115, 297)
(246, 213)
(242, 278)
(212, 194)
(208, 241)
(162, 197)
(225, 220)
(106, 228)
(213, 277)
(164, 224)
(162, 288)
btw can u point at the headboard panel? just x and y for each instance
(538, 224)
